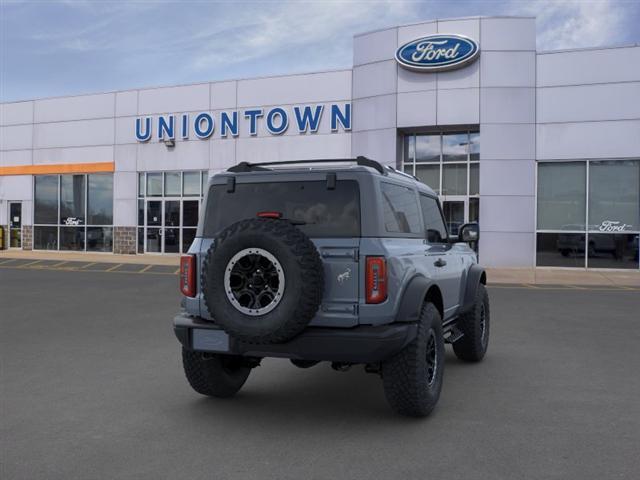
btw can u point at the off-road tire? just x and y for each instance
(219, 376)
(474, 343)
(405, 375)
(303, 273)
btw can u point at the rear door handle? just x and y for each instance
(439, 263)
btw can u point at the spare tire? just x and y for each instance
(262, 280)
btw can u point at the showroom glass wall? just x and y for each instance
(73, 212)
(168, 209)
(448, 163)
(588, 214)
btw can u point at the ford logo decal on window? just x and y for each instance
(436, 53)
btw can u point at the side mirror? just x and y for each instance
(469, 232)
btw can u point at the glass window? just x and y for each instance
(318, 212)
(434, 224)
(614, 196)
(454, 179)
(474, 210)
(474, 146)
(454, 215)
(429, 175)
(45, 238)
(205, 179)
(188, 235)
(100, 199)
(171, 240)
(474, 179)
(46, 200)
(409, 148)
(191, 183)
(427, 148)
(611, 250)
(172, 184)
(455, 147)
(72, 197)
(141, 184)
(72, 238)
(140, 212)
(99, 239)
(560, 249)
(400, 207)
(154, 184)
(561, 196)
(190, 213)
(172, 213)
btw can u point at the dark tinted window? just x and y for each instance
(46, 200)
(320, 212)
(100, 200)
(401, 214)
(434, 224)
(72, 191)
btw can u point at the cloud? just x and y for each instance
(573, 24)
(313, 26)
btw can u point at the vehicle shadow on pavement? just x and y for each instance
(311, 395)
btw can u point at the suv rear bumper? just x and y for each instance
(362, 344)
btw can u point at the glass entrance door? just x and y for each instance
(153, 224)
(455, 214)
(171, 230)
(169, 225)
(15, 224)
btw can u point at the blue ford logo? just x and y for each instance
(436, 53)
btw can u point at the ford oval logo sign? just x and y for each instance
(436, 53)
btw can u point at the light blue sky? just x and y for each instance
(53, 48)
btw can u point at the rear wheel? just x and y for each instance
(213, 375)
(413, 378)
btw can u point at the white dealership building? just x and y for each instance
(541, 148)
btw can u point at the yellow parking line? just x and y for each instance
(30, 263)
(7, 261)
(59, 264)
(176, 272)
(113, 268)
(145, 268)
(87, 265)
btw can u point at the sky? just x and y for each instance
(67, 47)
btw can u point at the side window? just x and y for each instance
(433, 222)
(401, 213)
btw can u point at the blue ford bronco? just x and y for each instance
(346, 261)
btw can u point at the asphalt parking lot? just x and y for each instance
(92, 388)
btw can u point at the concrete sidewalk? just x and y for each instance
(148, 259)
(528, 276)
(563, 276)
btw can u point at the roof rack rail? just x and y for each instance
(256, 167)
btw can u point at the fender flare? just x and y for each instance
(475, 276)
(412, 299)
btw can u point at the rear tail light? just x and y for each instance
(188, 275)
(376, 279)
(269, 215)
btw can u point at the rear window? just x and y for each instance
(316, 210)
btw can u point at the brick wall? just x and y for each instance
(27, 237)
(124, 240)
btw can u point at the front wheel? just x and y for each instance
(475, 326)
(213, 375)
(413, 378)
